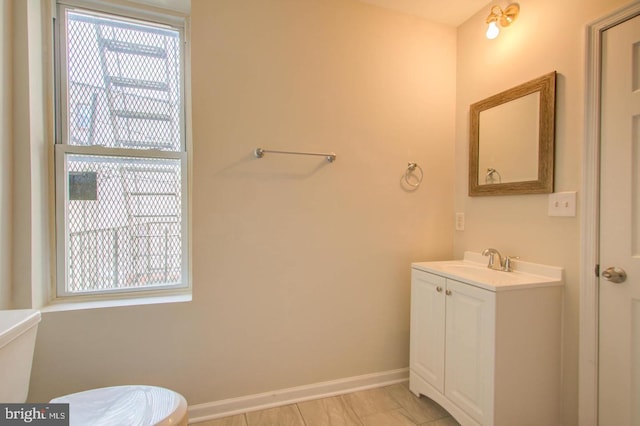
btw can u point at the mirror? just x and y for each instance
(511, 144)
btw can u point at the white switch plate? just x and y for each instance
(459, 221)
(562, 204)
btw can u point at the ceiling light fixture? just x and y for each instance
(504, 17)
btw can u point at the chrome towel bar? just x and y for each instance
(259, 153)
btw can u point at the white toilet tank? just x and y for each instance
(17, 341)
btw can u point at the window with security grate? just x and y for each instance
(120, 159)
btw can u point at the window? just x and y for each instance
(121, 161)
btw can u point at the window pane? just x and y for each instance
(123, 84)
(124, 223)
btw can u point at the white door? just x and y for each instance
(427, 327)
(619, 333)
(470, 343)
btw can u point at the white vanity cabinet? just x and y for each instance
(485, 345)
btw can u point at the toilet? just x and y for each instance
(126, 405)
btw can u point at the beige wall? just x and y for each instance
(6, 150)
(300, 267)
(548, 35)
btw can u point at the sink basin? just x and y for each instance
(473, 269)
(482, 273)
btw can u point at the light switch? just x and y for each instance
(562, 204)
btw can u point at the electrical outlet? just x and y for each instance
(562, 204)
(459, 221)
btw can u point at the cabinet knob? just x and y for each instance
(448, 292)
(439, 289)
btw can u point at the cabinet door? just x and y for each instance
(427, 327)
(470, 337)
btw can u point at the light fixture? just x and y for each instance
(504, 17)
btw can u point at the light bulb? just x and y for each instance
(493, 30)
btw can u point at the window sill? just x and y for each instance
(64, 305)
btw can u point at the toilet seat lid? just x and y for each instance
(125, 405)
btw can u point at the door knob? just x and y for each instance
(615, 275)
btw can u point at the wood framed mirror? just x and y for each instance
(512, 138)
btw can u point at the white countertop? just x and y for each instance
(473, 270)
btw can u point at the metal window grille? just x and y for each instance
(123, 82)
(123, 220)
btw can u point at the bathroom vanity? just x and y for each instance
(486, 344)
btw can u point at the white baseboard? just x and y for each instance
(261, 401)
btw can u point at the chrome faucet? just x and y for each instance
(500, 264)
(491, 252)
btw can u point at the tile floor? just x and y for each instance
(393, 405)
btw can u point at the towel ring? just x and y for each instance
(411, 167)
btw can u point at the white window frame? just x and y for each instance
(62, 148)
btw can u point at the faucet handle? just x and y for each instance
(507, 262)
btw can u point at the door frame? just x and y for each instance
(589, 318)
